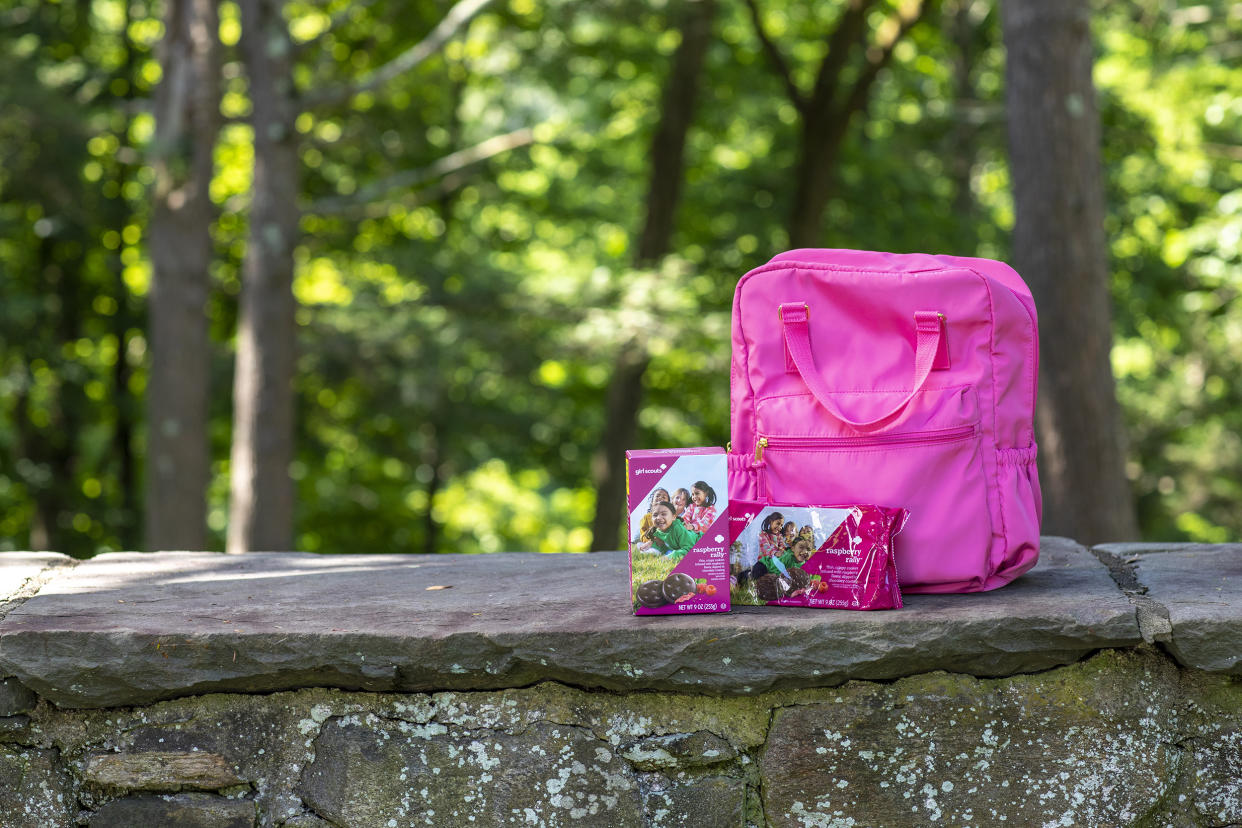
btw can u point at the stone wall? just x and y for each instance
(1122, 738)
(1033, 705)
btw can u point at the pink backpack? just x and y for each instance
(899, 380)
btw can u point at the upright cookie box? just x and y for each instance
(678, 533)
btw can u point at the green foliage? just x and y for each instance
(460, 320)
(1172, 117)
(71, 217)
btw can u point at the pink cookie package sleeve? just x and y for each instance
(682, 568)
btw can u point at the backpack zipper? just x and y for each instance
(923, 438)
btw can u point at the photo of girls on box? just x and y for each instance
(766, 560)
(672, 525)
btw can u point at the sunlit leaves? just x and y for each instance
(496, 509)
(72, 217)
(230, 24)
(1171, 119)
(458, 332)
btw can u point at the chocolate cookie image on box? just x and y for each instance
(651, 594)
(798, 579)
(771, 587)
(677, 585)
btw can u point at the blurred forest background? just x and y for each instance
(491, 243)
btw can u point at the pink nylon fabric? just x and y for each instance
(832, 401)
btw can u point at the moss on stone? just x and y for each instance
(1124, 737)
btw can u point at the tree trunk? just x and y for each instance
(187, 106)
(624, 395)
(836, 97)
(668, 145)
(961, 30)
(624, 401)
(126, 417)
(431, 527)
(1059, 246)
(818, 150)
(53, 448)
(127, 517)
(261, 490)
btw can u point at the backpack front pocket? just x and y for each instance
(936, 473)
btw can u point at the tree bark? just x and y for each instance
(124, 523)
(623, 399)
(818, 150)
(260, 488)
(962, 22)
(836, 98)
(431, 526)
(52, 448)
(187, 117)
(668, 145)
(1060, 247)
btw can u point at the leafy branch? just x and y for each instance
(441, 168)
(456, 19)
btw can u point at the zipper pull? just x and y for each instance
(759, 447)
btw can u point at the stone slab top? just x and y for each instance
(1199, 588)
(21, 573)
(134, 628)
